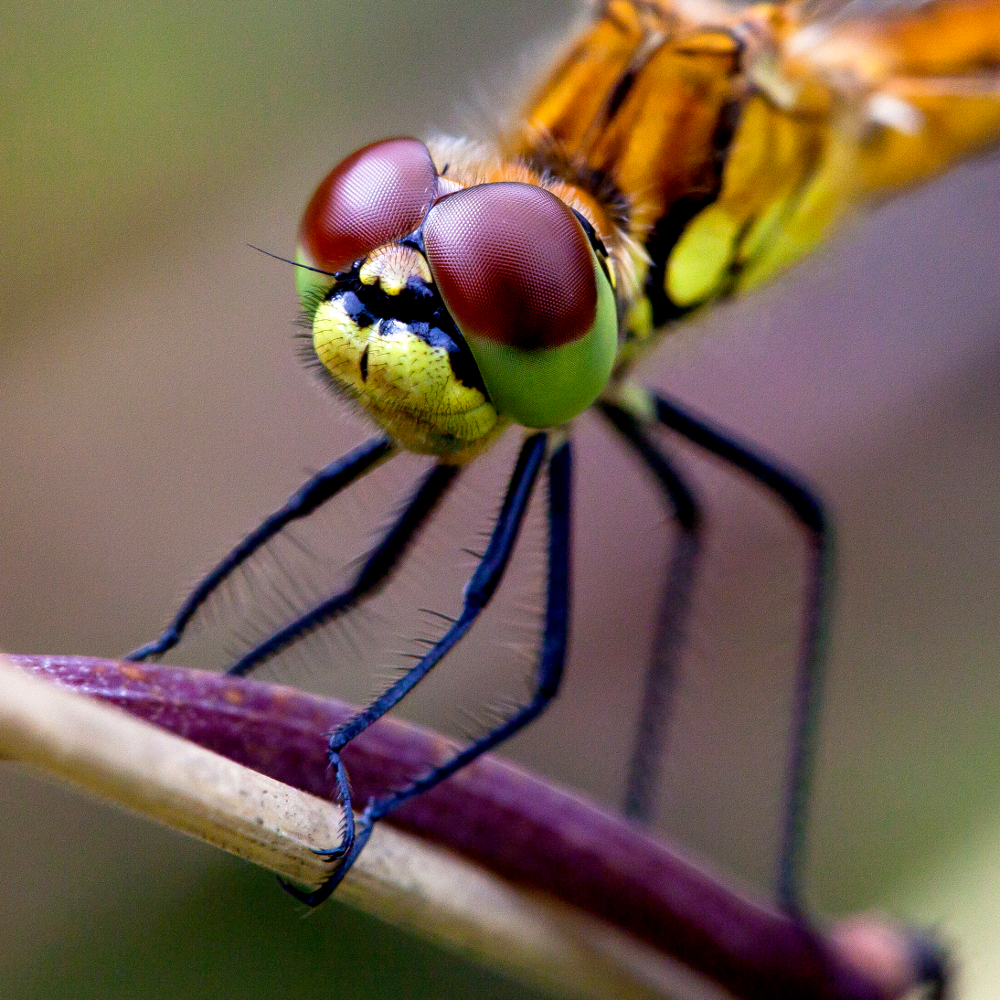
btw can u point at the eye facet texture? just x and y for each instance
(378, 194)
(513, 265)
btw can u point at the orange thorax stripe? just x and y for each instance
(733, 140)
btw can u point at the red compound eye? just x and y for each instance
(376, 195)
(513, 265)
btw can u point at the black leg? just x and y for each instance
(806, 509)
(304, 501)
(478, 594)
(932, 964)
(554, 641)
(671, 627)
(383, 559)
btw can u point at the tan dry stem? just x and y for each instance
(397, 877)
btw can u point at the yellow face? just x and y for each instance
(403, 373)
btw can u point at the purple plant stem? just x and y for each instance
(508, 821)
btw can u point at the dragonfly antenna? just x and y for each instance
(286, 260)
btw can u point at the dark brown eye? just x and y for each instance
(513, 265)
(376, 195)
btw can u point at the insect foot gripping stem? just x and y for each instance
(351, 843)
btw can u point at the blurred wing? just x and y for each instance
(736, 138)
(851, 109)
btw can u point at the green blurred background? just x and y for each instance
(153, 409)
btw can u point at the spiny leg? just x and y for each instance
(807, 510)
(671, 626)
(929, 958)
(478, 593)
(312, 494)
(552, 656)
(382, 560)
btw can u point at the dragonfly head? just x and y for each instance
(448, 311)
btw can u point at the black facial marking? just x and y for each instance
(354, 306)
(419, 288)
(419, 308)
(363, 364)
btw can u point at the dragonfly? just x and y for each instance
(675, 155)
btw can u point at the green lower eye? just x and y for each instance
(521, 279)
(548, 386)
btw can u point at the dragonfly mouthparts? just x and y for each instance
(386, 340)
